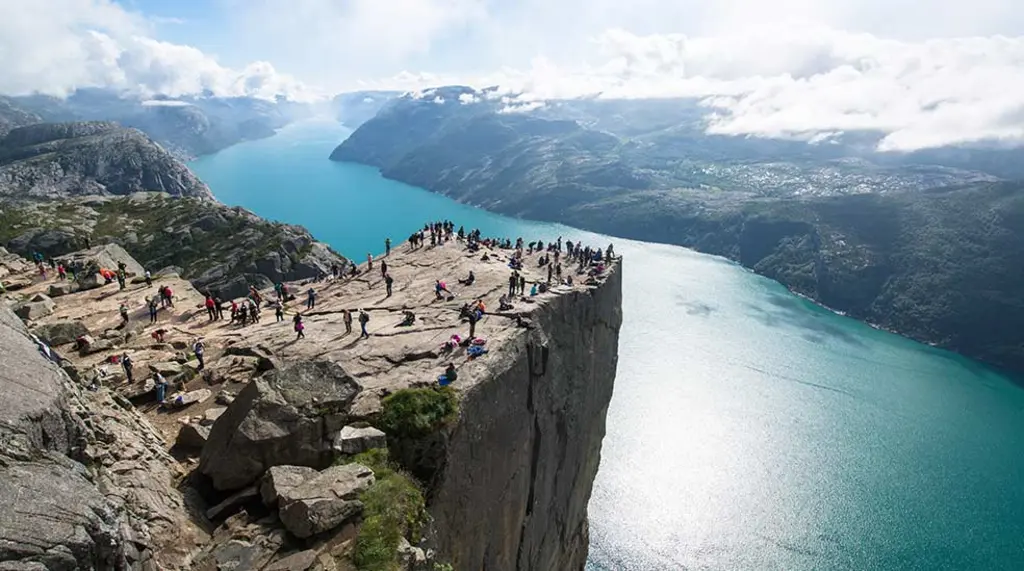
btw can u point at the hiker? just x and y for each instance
(152, 304)
(369, 261)
(449, 376)
(124, 314)
(61, 272)
(469, 280)
(149, 279)
(473, 317)
(310, 299)
(364, 318)
(121, 277)
(388, 282)
(522, 284)
(278, 311)
(168, 296)
(161, 387)
(219, 304)
(387, 247)
(199, 349)
(610, 251)
(347, 318)
(504, 303)
(299, 327)
(513, 281)
(234, 311)
(255, 295)
(533, 289)
(126, 362)
(408, 318)
(551, 271)
(211, 310)
(254, 312)
(158, 335)
(243, 313)
(279, 290)
(440, 286)
(383, 268)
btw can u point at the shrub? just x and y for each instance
(414, 413)
(393, 508)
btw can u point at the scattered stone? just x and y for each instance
(211, 415)
(300, 561)
(225, 398)
(61, 288)
(191, 397)
(413, 558)
(32, 310)
(325, 501)
(233, 501)
(286, 417)
(167, 368)
(352, 440)
(91, 346)
(192, 436)
(16, 283)
(60, 332)
(281, 478)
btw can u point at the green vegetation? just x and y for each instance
(393, 508)
(414, 413)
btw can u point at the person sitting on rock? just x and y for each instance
(469, 279)
(503, 303)
(449, 376)
(533, 289)
(123, 310)
(408, 319)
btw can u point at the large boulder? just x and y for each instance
(279, 479)
(53, 516)
(106, 256)
(353, 440)
(325, 501)
(50, 242)
(33, 310)
(192, 436)
(289, 416)
(60, 332)
(61, 288)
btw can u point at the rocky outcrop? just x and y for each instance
(537, 425)
(286, 417)
(324, 501)
(80, 490)
(221, 249)
(56, 160)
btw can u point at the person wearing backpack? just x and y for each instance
(364, 318)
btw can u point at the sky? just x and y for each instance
(926, 72)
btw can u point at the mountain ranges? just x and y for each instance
(929, 244)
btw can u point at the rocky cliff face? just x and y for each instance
(57, 160)
(520, 464)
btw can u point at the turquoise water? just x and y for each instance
(749, 428)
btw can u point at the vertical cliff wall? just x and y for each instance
(521, 462)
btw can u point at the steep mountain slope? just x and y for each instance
(219, 248)
(930, 251)
(55, 160)
(12, 115)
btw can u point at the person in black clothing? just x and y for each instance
(364, 318)
(513, 280)
(387, 246)
(383, 268)
(388, 282)
(127, 363)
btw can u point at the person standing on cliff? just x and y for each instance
(126, 362)
(387, 247)
(300, 327)
(383, 268)
(388, 282)
(211, 310)
(279, 310)
(199, 349)
(152, 303)
(219, 304)
(347, 318)
(522, 284)
(310, 299)
(513, 280)
(369, 261)
(364, 318)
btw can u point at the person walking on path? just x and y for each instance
(199, 349)
(364, 318)
(310, 299)
(387, 247)
(299, 327)
(347, 317)
(388, 282)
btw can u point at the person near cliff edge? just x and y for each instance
(449, 376)
(369, 261)
(387, 246)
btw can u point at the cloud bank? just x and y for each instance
(766, 68)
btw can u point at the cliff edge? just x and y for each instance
(323, 449)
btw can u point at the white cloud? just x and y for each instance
(56, 46)
(165, 103)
